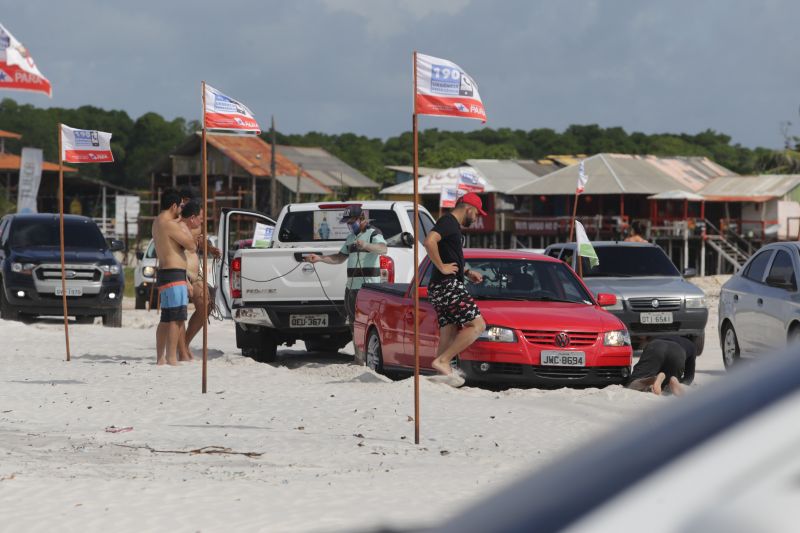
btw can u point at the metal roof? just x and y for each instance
(539, 168)
(628, 174)
(751, 188)
(503, 175)
(421, 171)
(13, 162)
(307, 185)
(329, 170)
(433, 183)
(677, 195)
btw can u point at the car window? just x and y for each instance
(567, 255)
(755, 270)
(631, 261)
(151, 250)
(554, 252)
(781, 273)
(80, 233)
(425, 223)
(426, 276)
(324, 225)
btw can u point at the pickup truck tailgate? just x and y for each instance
(279, 275)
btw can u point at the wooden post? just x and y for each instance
(205, 245)
(572, 220)
(297, 191)
(273, 186)
(61, 231)
(415, 285)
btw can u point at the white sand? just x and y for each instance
(336, 440)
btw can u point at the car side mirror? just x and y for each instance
(407, 239)
(139, 255)
(689, 272)
(423, 292)
(606, 300)
(116, 245)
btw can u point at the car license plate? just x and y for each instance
(77, 291)
(656, 318)
(308, 321)
(563, 358)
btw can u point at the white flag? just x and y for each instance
(444, 89)
(585, 248)
(582, 178)
(85, 146)
(17, 68)
(224, 113)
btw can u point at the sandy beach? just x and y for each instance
(311, 443)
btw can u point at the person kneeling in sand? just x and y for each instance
(172, 240)
(666, 363)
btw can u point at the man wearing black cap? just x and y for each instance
(362, 250)
(460, 320)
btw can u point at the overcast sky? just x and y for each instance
(345, 65)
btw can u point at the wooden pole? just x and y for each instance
(273, 185)
(416, 259)
(205, 246)
(297, 192)
(572, 220)
(61, 231)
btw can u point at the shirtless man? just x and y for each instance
(172, 240)
(192, 216)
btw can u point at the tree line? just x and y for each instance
(138, 144)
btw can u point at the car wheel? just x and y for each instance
(265, 352)
(113, 319)
(730, 346)
(6, 311)
(374, 352)
(141, 301)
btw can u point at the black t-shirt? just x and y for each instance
(450, 247)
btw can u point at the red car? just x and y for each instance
(544, 327)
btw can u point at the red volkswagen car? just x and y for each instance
(544, 327)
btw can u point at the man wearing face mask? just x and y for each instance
(362, 250)
(460, 320)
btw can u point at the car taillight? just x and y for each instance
(236, 277)
(387, 269)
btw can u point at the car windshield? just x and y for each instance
(323, 225)
(151, 251)
(45, 233)
(519, 279)
(630, 261)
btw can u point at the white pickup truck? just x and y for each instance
(275, 298)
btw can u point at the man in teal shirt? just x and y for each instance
(362, 250)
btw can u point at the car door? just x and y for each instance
(778, 299)
(236, 227)
(747, 311)
(428, 326)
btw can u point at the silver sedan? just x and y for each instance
(759, 307)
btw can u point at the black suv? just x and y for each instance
(30, 269)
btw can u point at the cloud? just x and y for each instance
(384, 18)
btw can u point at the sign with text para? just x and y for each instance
(444, 89)
(85, 146)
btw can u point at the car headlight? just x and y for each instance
(109, 269)
(617, 338)
(498, 334)
(149, 271)
(696, 302)
(22, 268)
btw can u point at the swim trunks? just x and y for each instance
(174, 294)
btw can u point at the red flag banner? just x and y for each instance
(224, 113)
(85, 146)
(444, 89)
(17, 68)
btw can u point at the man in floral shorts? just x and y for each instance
(460, 320)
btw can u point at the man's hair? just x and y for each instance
(190, 209)
(189, 192)
(169, 198)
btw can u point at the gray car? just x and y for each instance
(653, 298)
(759, 307)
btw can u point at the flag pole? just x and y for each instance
(572, 220)
(205, 247)
(61, 231)
(416, 258)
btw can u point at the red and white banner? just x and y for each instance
(583, 179)
(444, 89)
(17, 69)
(224, 113)
(448, 197)
(85, 146)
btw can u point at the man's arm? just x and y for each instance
(431, 245)
(181, 235)
(334, 259)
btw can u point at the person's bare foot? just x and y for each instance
(642, 384)
(172, 361)
(161, 362)
(442, 368)
(186, 357)
(658, 382)
(676, 387)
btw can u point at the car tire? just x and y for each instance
(374, 352)
(113, 319)
(141, 301)
(699, 344)
(730, 346)
(265, 352)
(6, 311)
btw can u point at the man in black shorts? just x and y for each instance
(460, 320)
(666, 363)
